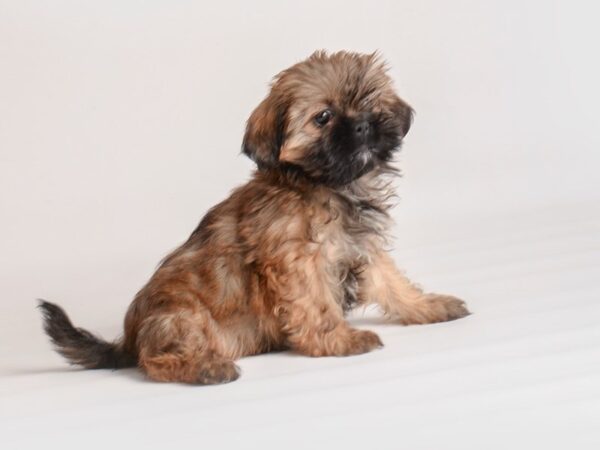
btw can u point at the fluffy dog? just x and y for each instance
(277, 264)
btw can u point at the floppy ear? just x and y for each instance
(405, 115)
(265, 131)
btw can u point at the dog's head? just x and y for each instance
(332, 118)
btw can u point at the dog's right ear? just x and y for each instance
(265, 131)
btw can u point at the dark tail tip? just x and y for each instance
(79, 346)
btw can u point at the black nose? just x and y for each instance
(362, 129)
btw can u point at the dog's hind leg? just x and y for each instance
(179, 347)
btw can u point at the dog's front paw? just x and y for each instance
(443, 308)
(363, 341)
(217, 372)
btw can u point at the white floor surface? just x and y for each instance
(522, 372)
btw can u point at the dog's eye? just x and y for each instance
(323, 117)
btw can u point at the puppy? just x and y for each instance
(278, 264)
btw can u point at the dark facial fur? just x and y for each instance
(342, 154)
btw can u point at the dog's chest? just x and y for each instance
(342, 243)
(347, 234)
(349, 229)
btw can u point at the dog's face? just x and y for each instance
(332, 118)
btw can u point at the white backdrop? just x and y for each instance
(121, 123)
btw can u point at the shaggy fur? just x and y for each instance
(278, 263)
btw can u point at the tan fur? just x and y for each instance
(269, 268)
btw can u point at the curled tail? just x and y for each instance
(79, 346)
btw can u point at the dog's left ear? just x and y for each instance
(405, 115)
(265, 131)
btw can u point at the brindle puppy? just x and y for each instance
(278, 263)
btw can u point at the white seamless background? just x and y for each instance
(121, 123)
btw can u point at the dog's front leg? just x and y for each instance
(382, 282)
(311, 317)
